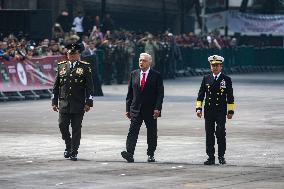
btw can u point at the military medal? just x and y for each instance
(79, 71)
(223, 84)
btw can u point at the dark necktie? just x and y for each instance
(143, 81)
(215, 78)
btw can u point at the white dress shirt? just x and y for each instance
(146, 75)
(217, 76)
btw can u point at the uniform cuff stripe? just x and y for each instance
(230, 107)
(198, 104)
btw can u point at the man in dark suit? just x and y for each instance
(143, 103)
(73, 89)
(219, 102)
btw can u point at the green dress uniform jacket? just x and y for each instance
(73, 88)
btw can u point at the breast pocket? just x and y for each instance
(62, 91)
(62, 81)
(79, 80)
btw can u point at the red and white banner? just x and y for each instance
(34, 74)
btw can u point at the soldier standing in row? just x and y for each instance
(219, 102)
(120, 61)
(130, 53)
(72, 96)
(109, 47)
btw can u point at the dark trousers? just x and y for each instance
(72, 144)
(151, 125)
(215, 124)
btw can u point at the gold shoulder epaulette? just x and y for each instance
(62, 62)
(84, 62)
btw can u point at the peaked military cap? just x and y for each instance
(74, 48)
(215, 59)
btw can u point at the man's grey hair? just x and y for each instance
(147, 56)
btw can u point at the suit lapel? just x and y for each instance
(220, 78)
(211, 80)
(137, 79)
(148, 80)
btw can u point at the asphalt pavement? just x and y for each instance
(31, 148)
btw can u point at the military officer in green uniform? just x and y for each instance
(219, 104)
(72, 97)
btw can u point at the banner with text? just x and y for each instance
(255, 24)
(33, 74)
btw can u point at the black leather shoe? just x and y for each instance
(151, 159)
(210, 161)
(128, 156)
(222, 160)
(73, 157)
(67, 153)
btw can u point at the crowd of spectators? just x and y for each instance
(15, 47)
(93, 34)
(120, 47)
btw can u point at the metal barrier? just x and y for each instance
(193, 63)
(237, 60)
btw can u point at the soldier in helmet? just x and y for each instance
(219, 103)
(72, 97)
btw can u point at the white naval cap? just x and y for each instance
(215, 59)
(170, 34)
